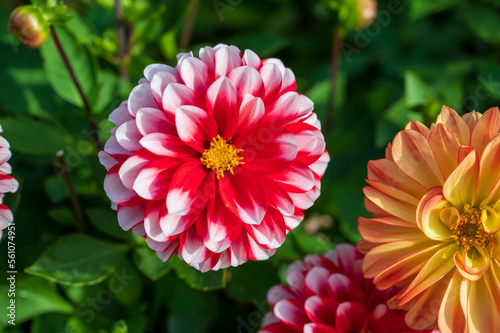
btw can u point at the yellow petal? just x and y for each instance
(460, 186)
(455, 123)
(489, 173)
(490, 219)
(387, 229)
(412, 154)
(384, 255)
(486, 129)
(445, 146)
(387, 171)
(482, 311)
(428, 215)
(404, 268)
(450, 216)
(424, 313)
(437, 267)
(393, 192)
(391, 205)
(451, 316)
(473, 263)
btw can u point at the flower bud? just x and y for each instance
(27, 24)
(367, 13)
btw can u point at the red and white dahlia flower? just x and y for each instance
(215, 159)
(328, 294)
(435, 230)
(7, 183)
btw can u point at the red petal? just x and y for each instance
(278, 197)
(341, 288)
(250, 58)
(271, 77)
(226, 59)
(244, 195)
(191, 187)
(270, 152)
(158, 84)
(247, 80)
(250, 116)
(318, 328)
(192, 249)
(296, 178)
(278, 293)
(140, 97)
(271, 232)
(152, 182)
(316, 282)
(221, 100)
(320, 309)
(176, 95)
(167, 145)
(151, 120)
(350, 317)
(195, 126)
(194, 74)
(133, 165)
(291, 312)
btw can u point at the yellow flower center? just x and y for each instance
(221, 156)
(469, 230)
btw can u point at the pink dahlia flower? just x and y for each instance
(7, 183)
(215, 159)
(435, 230)
(328, 294)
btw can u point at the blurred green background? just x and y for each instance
(416, 56)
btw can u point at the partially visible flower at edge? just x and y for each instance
(215, 159)
(328, 294)
(7, 183)
(435, 200)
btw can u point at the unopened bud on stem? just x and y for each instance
(28, 25)
(367, 13)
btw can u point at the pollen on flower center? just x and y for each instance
(469, 231)
(221, 156)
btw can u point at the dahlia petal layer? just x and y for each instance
(435, 201)
(214, 159)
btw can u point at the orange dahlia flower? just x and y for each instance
(435, 200)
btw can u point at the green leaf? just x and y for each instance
(57, 73)
(311, 244)
(105, 220)
(149, 263)
(34, 297)
(423, 8)
(483, 21)
(24, 136)
(248, 283)
(120, 327)
(78, 260)
(417, 91)
(190, 310)
(62, 215)
(210, 280)
(49, 323)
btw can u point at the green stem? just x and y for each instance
(187, 31)
(88, 110)
(80, 224)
